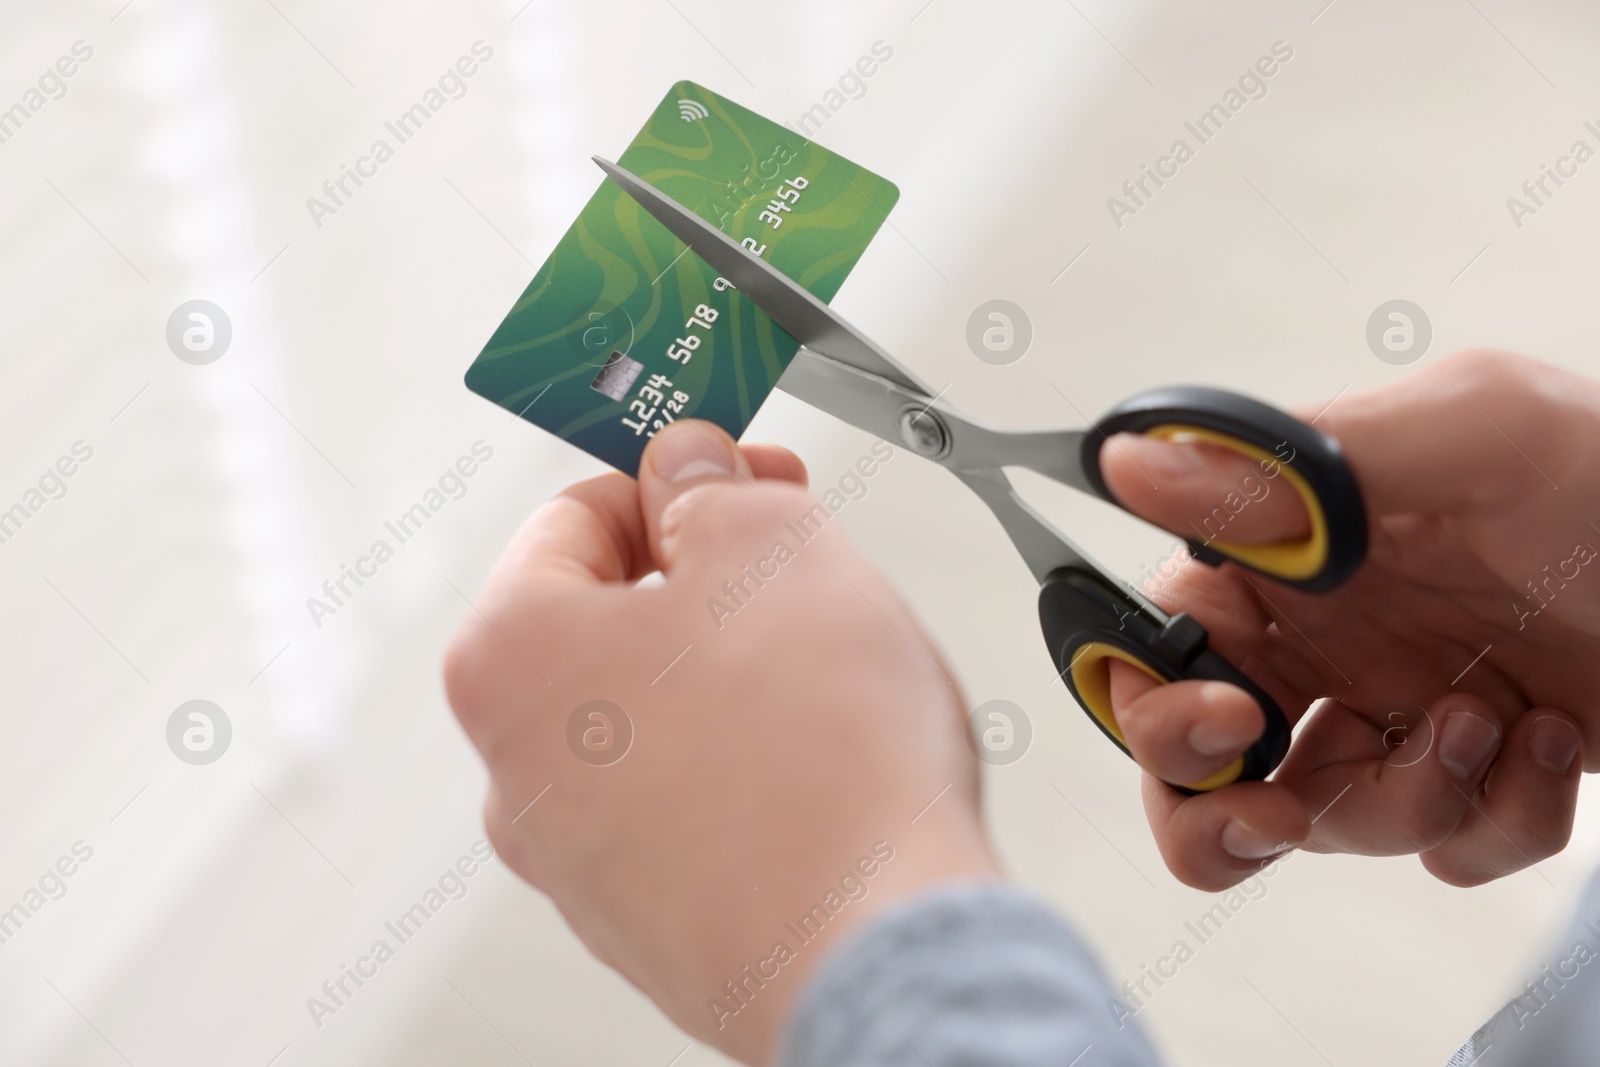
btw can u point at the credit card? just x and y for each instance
(624, 330)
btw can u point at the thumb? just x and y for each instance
(687, 455)
(1202, 491)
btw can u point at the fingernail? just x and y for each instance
(1553, 743)
(1244, 842)
(684, 453)
(1220, 739)
(1465, 744)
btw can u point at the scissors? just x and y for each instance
(1088, 614)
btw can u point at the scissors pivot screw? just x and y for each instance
(923, 432)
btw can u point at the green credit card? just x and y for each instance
(623, 329)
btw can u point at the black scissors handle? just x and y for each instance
(1088, 621)
(1309, 460)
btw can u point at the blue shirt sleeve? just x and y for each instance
(983, 975)
(1555, 1020)
(967, 975)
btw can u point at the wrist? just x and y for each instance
(755, 1004)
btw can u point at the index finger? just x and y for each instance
(594, 532)
(587, 539)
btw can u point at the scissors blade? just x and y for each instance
(807, 319)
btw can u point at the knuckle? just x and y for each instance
(1546, 409)
(765, 506)
(1487, 371)
(735, 517)
(1159, 749)
(1511, 387)
(1451, 871)
(502, 835)
(1204, 877)
(1139, 728)
(1538, 835)
(1193, 863)
(469, 665)
(1181, 866)
(1423, 825)
(460, 662)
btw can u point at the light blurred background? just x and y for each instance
(177, 166)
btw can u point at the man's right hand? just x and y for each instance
(1447, 688)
